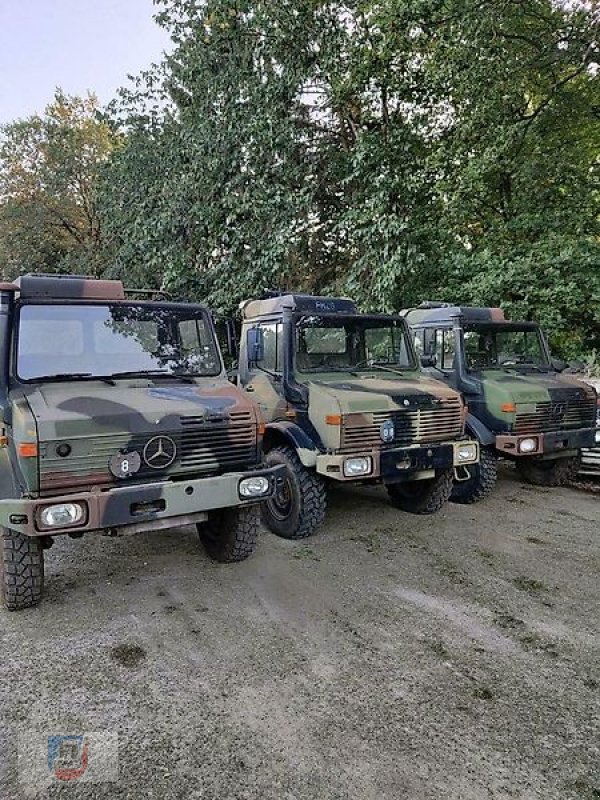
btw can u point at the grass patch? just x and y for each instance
(305, 554)
(128, 655)
(370, 541)
(584, 789)
(507, 621)
(529, 585)
(438, 648)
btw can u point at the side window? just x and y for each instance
(419, 340)
(444, 349)
(273, 342)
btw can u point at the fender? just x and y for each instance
(481, 432)
(305, 447)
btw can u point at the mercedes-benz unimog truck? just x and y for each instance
(521, 406)
(344, 400)
(117, 414)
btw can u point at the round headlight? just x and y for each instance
(527, 445)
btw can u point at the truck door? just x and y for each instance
(263, 379)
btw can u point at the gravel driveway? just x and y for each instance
(390, 656)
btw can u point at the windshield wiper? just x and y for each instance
(157, 373)
(68, 376)
(516, 364)
(384, 367)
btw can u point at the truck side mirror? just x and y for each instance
(429, 360)
(255, 343)
(558, 364)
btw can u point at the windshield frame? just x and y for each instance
(508, 326)
(344, 317)
(196, 308)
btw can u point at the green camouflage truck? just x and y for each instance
(521, 406)
(344, 400)
(117, 414)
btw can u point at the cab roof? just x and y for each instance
(444, 313)
(303, 303)
(68, 287)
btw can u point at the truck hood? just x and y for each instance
(380, 394)
(88, 409)
(533, 387)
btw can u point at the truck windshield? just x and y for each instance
(335, 343)
(495, 347)
(109, 340)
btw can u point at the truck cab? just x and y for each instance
(343, 399)
(117, 414)
(521, 406)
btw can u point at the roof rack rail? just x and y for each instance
(152, 294)
(435, 304)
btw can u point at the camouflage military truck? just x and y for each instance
(344, 400)
(520, 406)
(117, 414)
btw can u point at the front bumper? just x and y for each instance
(399, 464)
(138, 504)
(554, 444)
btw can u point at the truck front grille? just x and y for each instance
(210, 446)
(418, 426)
(203, 447)
(557, 415)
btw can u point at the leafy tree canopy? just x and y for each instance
(48, 171)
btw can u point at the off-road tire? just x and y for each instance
(21, 569)
(425, 496)
(482, 481)
(230, 534)
(557, 472)
(306, 494)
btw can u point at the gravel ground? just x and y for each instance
(390, 656)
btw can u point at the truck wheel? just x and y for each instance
(300, 501)
(230, 534)
(555, 472)
(425, 496)
(21, 569)
(482, 480)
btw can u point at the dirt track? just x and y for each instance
(390, 656)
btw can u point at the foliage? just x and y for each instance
(391, 150)
(48, 172)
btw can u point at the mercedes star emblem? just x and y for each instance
(160, 452)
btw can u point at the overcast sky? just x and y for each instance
(74, 44)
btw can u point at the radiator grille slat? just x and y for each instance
(418, 426)
(555, 416)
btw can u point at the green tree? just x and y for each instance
(48, 169)
(394, 150)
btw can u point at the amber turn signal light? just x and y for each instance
(28, 449)
(508, 407)
(333, 419)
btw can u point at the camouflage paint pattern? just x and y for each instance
(62, 437)
(340, 402)
(559, 409)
